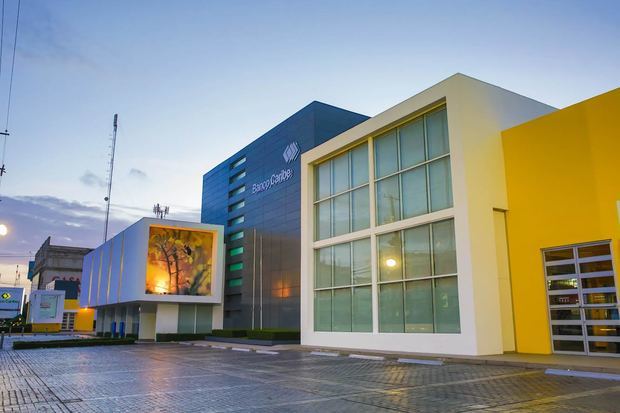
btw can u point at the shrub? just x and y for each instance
(229, 333)
(87, 342)
(274, 334)
(178, 337)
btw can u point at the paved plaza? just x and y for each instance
(181, 378)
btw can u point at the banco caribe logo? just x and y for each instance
(6, 296)
(291, 152)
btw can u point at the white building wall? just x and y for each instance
(115, 272)
(167, 318)
(477, 112)
(147, 325)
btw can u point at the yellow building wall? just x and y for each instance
(83, 317)
(46, 328)
(563, 182)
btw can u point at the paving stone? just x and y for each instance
(175, 378)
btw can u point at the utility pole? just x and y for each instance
(107, 198)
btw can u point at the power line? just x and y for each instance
(2, 38)
(8, 108)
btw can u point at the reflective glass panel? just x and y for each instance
(599, 298)
(598, 282)
(595, 266)
(323, 310)
(412, 150)
(341, 316)
(566, 330)
(437, 133)
(360, 208)
(604, 347)
(323, 180)
(447, 318)
(386, 154)
(415, 201)
(561, 269)
(440, 184)
(362, 309)
(600, 330)
(361, 261)
(568, 284)
(564, 299)
(444, 248)
(593, 251)
(323, 267)
(342, 264)
(359, 165)
(417, 252)
(566, 314)
(323, 219)
(419, 306)
(559, 255)
(341, 214)
(568, 345)
(391, 317)
(390, 260)
(340, 165)
(602, 314)
(388, 200)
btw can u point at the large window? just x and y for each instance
(412, 169)
(342, 293)
(417, 280)
(414, 270)
(341, 194)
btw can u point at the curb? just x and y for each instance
(594, 371)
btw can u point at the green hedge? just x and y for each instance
(274, 334)
(179, 337)
(229, 332)
(87, 342)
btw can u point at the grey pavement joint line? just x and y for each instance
(563, 397)
(583, 374)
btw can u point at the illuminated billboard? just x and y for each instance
(46, 306)
(10, 302)
(179, 262)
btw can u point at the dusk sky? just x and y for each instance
(195, 81)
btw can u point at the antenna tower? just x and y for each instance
(110, 172)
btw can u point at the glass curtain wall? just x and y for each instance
(412, 169)
(416, 272)
(343, 298)
(341, 194)
(417, 280)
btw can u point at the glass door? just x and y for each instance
(582, 298)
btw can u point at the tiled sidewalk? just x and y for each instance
(184, 378)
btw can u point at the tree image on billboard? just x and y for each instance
(179, 262)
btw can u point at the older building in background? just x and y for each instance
(57, 262)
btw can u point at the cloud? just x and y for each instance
(48, 38)
(137, 173)
(90, 179)
(31, 219)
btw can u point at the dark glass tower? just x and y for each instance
(256, 194)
